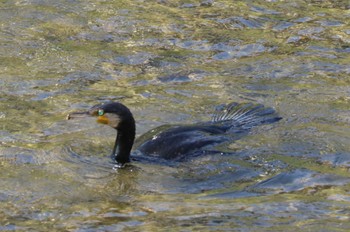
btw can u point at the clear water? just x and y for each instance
(174, 62)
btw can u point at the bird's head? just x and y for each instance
(120, 118)
(113, 114)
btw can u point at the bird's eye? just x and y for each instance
(100, 112)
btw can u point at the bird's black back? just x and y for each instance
(180, 142)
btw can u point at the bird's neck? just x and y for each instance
(123, 144)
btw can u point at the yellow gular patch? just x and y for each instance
(102, 119)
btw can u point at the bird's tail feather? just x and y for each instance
(246, 114)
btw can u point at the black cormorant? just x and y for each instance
(178, 142)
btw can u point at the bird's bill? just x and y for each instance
(78, 115)
(103, 119)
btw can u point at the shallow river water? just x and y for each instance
(174, 62)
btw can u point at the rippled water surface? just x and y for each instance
(174, 62)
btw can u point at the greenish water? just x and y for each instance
(174, 62)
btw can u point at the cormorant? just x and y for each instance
(178, 142)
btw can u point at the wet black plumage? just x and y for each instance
(178, 142)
